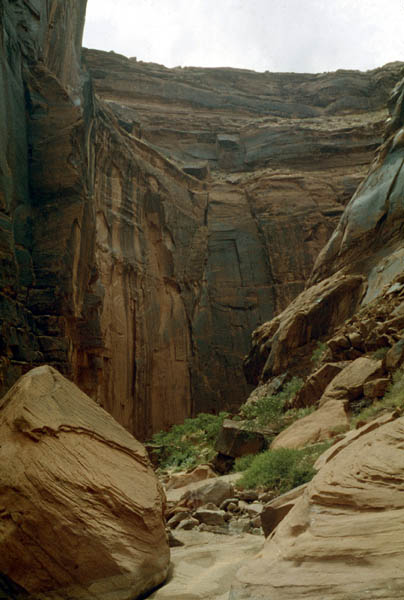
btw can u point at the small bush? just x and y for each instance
(380, 353)
(189, 444)
(318, 353)
(393, 399)
(270, 410)
(283, 469)
(244, 462)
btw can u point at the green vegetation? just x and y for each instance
(244, 462)
(270, 410)
(189, 444)
(281, 470)
(393, 399)
(318, 353)
(380, 352)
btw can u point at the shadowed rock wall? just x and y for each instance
(146, 231)
(41, 120)
(277, 157)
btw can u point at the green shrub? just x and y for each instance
(318, 353)
(380, 352)
(393, 399)
(187, 445)
(283, 469)
(270, 410)
(244, 462)
(294, 414)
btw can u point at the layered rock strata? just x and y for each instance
(126, 264)
(81, 511)
(343, 538)
(354, 270)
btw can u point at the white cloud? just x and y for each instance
(275, 35)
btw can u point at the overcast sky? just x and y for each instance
(273, 35)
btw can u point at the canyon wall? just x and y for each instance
(354, 304)
(41, 121)
(273, 160)
(147, 228)
(354, 271)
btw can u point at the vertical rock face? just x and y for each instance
(228, 258)
(41, 115)
(145, 231)
(364, 255)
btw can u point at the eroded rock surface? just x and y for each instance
(81, 511)
(204, 567)
(344, 536)
(145, 231)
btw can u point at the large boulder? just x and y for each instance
(214, 491)
(344, 538)
(199, 473)
(348, 384)
(81, 511)
(277, 509)
(321, 425)
(237, 439)
(316, 383)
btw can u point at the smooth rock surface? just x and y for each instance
(344, 538)
(316, 427)
(348, 384)
(81, 509)
(204, 568)
(277, 509)
(200, 473)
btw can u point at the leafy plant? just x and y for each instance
(243, 462)
(187, 445)
(270, 410)
(393, 399)
(318, 353)
(283, 469)
(380, 352)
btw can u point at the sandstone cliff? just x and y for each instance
(355, 269)
(147, 230)
(331, 545)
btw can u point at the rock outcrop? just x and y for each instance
(143, 230)
(361, 266)
(279, 156)
(81, 511)
(344, 536)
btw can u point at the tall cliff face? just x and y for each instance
(41, 121)
(352, 277)
(125, 263)
(277, 158)
(354, 303)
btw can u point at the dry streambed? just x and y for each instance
(205, 566)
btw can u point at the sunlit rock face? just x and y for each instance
(81, 508)
(344, 536)
(273, 170)
(147, 230)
